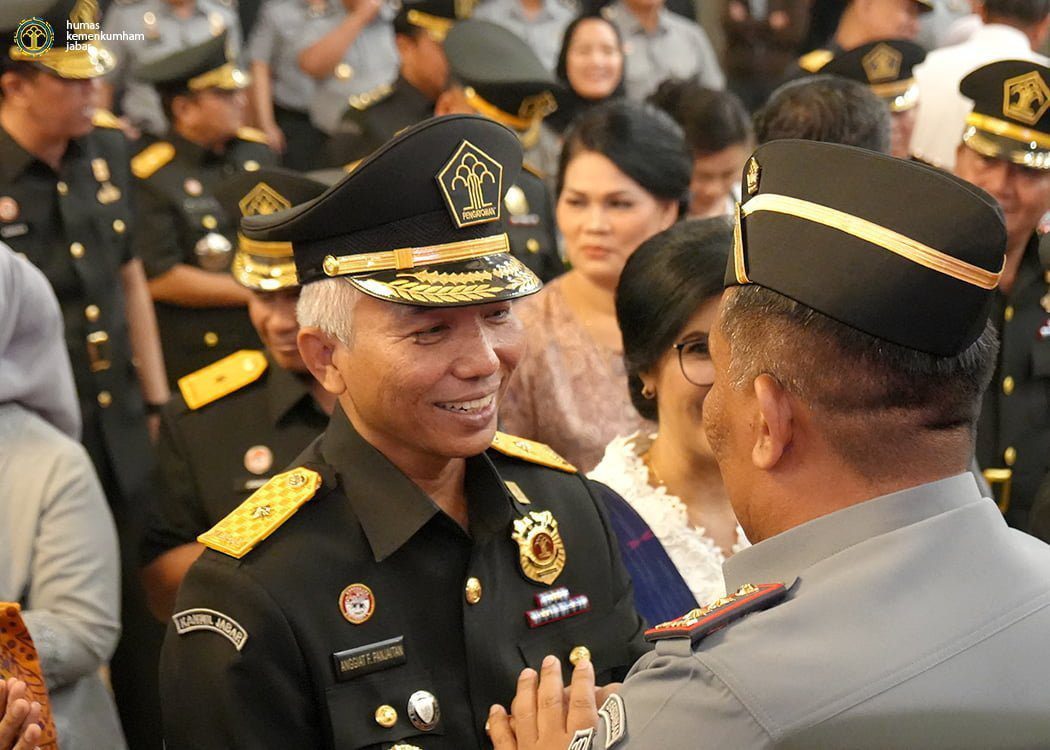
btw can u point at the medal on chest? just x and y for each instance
(107, 192)
(541, 552)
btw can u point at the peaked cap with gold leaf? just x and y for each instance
(1011, 112)
(39, 32)
(885, 67)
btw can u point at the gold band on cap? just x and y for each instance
(436, 25)
(876, 234)
(490, 110)
(995, 126)
(91, 61)
(228, 77)
(901, 95)
(264, 249)
(411, 257)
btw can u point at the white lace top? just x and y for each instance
(694, 553)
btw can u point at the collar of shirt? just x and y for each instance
(631, 26)
(15, 160)
(285, 391)
(784, 557)
(392, 508)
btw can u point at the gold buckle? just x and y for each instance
(98, 351)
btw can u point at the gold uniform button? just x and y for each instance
(91, 312)
(386, 716)
(532, 245)
(211, 338)
(63, 188)
(472, 591)
(578, 654)
(209, 222)
(343, 71)
(76, 250)
(1008, 385)
(1010, 456)
(1008, 313)
(119, 226)
(105, 398)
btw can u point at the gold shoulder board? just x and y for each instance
(222, 378)
(251, 134)
(262, 513)
(152, 158)
(103, 118)
(815, 60)
(530, 450)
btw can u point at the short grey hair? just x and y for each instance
(328, 304)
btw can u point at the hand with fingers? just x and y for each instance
(544, 716)
(19, 729)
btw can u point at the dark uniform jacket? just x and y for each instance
(75, 226)
(213, 457)
(373, 120)
(1014, 428)
(261, 654)
(530, 226)
(176, 212)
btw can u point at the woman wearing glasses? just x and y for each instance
(675, 524)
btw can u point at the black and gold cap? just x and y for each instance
(436, 17)
(885, 67)
(901, 251)
(58, 36)
(1011, 112)
(265, 266)
(501, 76)
(202, 66)
(418, 222)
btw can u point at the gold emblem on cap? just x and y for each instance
(882, 63)
(262, 200)
(541, 552)
(754, 173)
(1026, 97)
(472, 183)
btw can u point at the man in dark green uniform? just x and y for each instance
(186, 240)
(238, 421)
(377, 116)
(391, 584)
(496, 74)
(1006, 151)
(64, 204)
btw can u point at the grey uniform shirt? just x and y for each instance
(283, 29)
(542, 32)
(165, 33)
(368, 63)
(917, 619)
(677, 48)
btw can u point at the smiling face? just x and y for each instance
(1022, 193)
(594, 59)
(426, 383)
(604, 216)
(273, 315)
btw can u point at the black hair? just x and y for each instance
(643, 142)
(712, 120)
(663, 284)
(825, 108)
(1023, 12)
(571, 104)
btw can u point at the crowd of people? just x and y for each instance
(369, 371)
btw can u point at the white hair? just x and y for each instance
(328, 304)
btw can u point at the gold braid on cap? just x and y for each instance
(227, 76)
(411, 257)
(436, 26)
(870, 232)
(528, 120)
(995, 126)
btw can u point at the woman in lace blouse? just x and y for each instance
(623, 176)
(676, 506)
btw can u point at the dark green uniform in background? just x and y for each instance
(376, 117)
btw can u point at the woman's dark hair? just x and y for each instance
(712, 120)
(571, 104)
(662, 286)
(643, 142)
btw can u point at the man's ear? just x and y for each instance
(775, 427)
(14, 86)
(317, 349)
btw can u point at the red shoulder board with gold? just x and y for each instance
(701, 622)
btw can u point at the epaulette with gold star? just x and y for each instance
(366, 99)
(251, 134)
(103, 118)
(145, 164)
(262, 513)
(222, 378)
(701, 622)
(530, 450)
(813, 61)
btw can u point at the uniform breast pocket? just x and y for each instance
(602, 640)
(377, 711)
